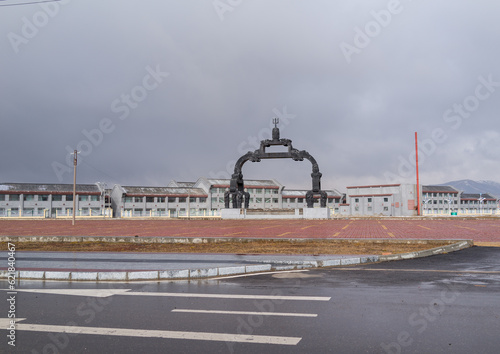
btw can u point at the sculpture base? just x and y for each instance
(306, 213)
(316, 213)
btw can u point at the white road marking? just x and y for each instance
(109, 292)
(234, 296)
(77, 292)
(254, 274)
(124, 332)
(247, 313)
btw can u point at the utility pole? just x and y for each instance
(75, 153)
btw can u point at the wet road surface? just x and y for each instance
(441, 304)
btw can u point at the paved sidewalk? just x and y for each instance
(108, 266)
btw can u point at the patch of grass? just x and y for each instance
(253, 247)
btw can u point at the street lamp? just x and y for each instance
(74, 184)
(481, 199)
(449, 201)
(425, 201)
(102, 189)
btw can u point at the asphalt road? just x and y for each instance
(441, 304)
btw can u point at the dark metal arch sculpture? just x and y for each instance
(241, 198)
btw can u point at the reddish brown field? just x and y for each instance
(477, 230)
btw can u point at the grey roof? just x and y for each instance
(248, 182)
(185, 184)
(162, 191)
(435, 189)
(302, 193)
(476, 196)
(47, 188)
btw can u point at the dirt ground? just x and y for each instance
(254, 247)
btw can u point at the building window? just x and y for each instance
(129, 200)
(69, 197)
(203, 200)
(300, 200)
(29, 197)
(386, 208)
(172, 199)
(2, 197)
(258, 191)
(221, 200)
(14, 198)
(214, 200)
(275, 200)
(137, 212)
(150, 199)
(369, 208)
(29, 212)
(160, 212)
(55, 198)
(192, 200)
(291, 200)
(258, 200)
(138, 199)
(161, 200)
(356, 200)
(369, 200)
(83, 198)
(182, 200)
(386, 200)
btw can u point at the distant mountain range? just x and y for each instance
(470, 186)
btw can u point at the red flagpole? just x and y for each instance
(418, 183)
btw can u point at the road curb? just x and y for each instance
(205, 273)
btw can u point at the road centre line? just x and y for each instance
(247, 313)
(390, 234)
(285, 233)
(125, 332)
(384, 227)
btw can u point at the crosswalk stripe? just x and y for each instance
(125, 332)
(247, 313)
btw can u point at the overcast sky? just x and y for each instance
(155, 90)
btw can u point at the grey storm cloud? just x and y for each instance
(156, 90)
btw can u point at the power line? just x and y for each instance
(28, 3)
